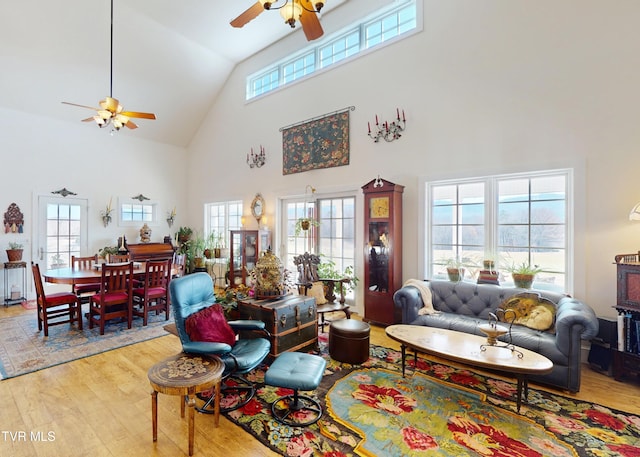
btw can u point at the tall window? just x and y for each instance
(511, 219)
(222, 217)
(62, 230)
(333, 237)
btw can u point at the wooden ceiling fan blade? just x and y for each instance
(310, 23)
(81, 106)
(248, 15)
(138, 115)
(131, 125)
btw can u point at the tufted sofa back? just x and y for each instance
(476, 300)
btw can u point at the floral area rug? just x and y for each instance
(24, 348)
(370, 410)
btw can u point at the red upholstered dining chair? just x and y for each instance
(54, 309)
(84, 291)
(115, 297)
(153, 294)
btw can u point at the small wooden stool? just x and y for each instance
(185, 375)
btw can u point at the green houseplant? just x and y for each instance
(455, 269)
(523, 274)
(327, 270)
(14, 253)
(305, 223)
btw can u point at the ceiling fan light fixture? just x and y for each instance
(266, 4)
(104, 114)
(318, 5)
(291, 12)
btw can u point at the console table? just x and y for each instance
(10, 298)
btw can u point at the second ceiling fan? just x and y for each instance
(304, 11)
(111, 111)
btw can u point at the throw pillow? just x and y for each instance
(209, 324)
(530, 310)
(317, 292)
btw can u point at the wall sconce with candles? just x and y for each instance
(388, 131)
(256, 160)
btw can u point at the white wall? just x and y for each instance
(491, 86)
(40, 155)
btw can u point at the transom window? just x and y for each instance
(137, 212)
(510, 219)
(380, 28)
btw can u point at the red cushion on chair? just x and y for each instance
(154, 292)
(209, 324)
(84, 288)
(61, 298)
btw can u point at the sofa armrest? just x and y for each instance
(574, 321)
(408, 301)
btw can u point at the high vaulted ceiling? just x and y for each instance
(170, 58)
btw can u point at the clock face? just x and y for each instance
(379, 207)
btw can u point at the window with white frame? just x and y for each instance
(222, 217)
(378, 29)
(137, 212)
(510, 219)
(333, 237)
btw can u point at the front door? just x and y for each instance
(62, 230)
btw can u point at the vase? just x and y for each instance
(523, 281)
(14, 255)
(455, 274)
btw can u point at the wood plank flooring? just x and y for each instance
(101, 406)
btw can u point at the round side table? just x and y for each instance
(185, 375)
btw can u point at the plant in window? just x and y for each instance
(327, 270)
(455, 269)
(523, 273)
(305, 223)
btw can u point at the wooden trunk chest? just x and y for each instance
(292, 321)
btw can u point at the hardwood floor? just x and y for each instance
(101, 406)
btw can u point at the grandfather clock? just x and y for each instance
(383, 249)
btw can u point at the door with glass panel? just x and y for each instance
(62, 231)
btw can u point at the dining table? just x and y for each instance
(72, 276)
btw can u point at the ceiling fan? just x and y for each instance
(111, 111)
(304, 11)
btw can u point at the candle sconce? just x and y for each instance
(388, 131)
(171, 217)
(493, 331)
(256, 160)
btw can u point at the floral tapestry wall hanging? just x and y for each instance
(321, 142)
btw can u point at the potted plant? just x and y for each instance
(14, 253)
(327, 270)
(455, 269)
(305, 223)
(523, 274)
(184, 234)
(197, 250)
(106, 251)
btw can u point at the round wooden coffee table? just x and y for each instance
(185, 375)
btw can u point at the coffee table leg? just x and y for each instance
(521, 381)
(154, 415)
(404, 355)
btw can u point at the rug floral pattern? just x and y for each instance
(24, 348)
(480, 418)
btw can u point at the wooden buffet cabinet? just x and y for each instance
(383, 249)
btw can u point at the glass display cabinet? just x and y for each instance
(383, 249)
(246, 246)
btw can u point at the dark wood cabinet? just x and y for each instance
(246, 246)
(626, 362)
(383, 249)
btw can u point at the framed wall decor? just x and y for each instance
(321, 142)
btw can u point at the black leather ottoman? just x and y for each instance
(349, 341)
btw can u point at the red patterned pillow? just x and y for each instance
(209, 324)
